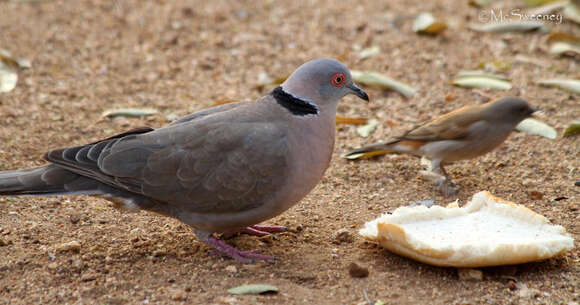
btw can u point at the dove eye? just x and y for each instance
(338, 79)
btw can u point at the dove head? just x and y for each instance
(510, 110)
(322, 82)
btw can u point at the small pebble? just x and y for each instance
(77, 264)
(267, 239)
(528, 293)
(177, 294)
(108, 260)
(159, 252)
(536, 195)
(52, 266)
(357, 271)
(427, 203)
(89, 276)
(69, 246)
(466, 274)
(231, 269)
(342, 236)
(334, 253)
(74, 218)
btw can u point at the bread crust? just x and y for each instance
(488, 231)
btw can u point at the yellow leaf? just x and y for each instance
(226, 101)
(352, 121)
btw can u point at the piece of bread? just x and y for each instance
(488, 231)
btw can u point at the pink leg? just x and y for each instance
(224, 249)
(258, 230)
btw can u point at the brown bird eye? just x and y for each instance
(337, 79)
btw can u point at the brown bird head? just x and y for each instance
(509, 110)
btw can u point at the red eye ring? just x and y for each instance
(338, 79)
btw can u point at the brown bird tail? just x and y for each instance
(395, 146)
(372, 150)
(44, 180)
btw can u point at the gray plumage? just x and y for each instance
(217, 170)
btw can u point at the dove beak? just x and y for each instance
(358, 91)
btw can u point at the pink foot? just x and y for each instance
(222, 248)
(258, 230)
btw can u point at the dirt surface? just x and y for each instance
(179, 57)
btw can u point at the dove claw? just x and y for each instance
(220, 247)
(258, 230)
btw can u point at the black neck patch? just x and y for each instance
(295, 105)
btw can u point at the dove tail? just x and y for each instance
(44, 180)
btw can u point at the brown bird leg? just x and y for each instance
(447, 187)
(223, 249)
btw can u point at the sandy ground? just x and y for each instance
(179, 57)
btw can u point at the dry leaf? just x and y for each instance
(8, 77)
(263, 80)
(572, 12)
(479, 3)
(280, 80)
(425, 23)
(128, 112)
(570, 85)
(352, 121)
(368, 52)
(538, 2)
(14, 62)
(565, 48)
(9, 66)
(547, 8)
(494, 65)
(480, 79)
(561, 36)
(375, 79)
(365, 130)
(534, 126)
(226, 101)
(530, 60)
(512, 26)
(481, 73)
(572, 129)
(564, 44)
(253, 289)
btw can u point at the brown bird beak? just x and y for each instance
(358, 91)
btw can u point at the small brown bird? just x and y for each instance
(465, 133)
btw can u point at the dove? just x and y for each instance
(220, 170)
(465, 133)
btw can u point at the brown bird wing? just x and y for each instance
(208, 165)
(453, 125)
